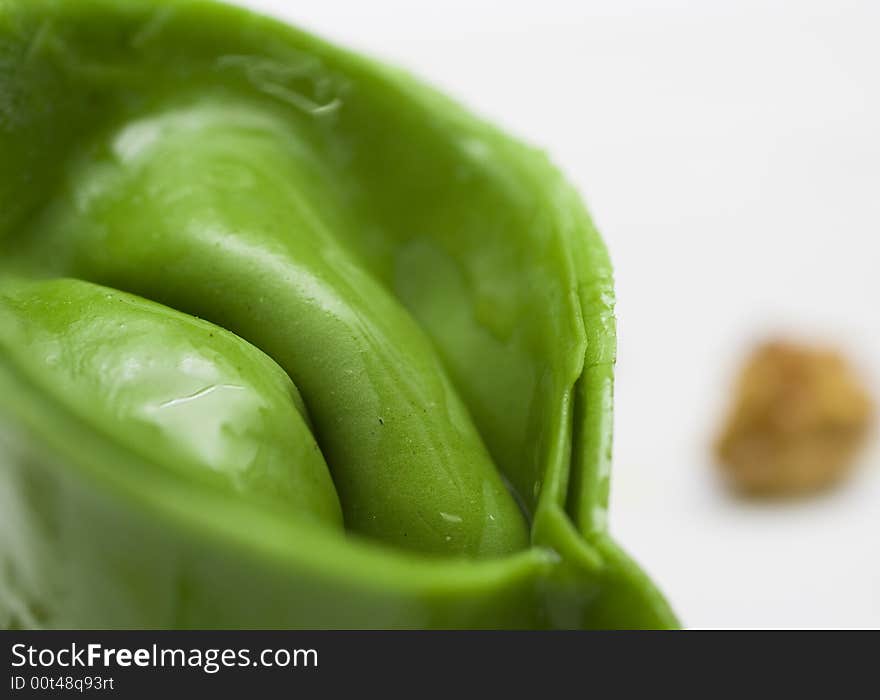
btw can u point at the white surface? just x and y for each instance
(730, 153)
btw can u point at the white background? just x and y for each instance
(730, 154)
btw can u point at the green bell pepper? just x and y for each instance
(288, 339)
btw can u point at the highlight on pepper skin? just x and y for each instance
(331, 350)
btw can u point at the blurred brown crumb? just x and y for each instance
(799, 415)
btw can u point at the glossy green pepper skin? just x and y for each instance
(255, 288)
